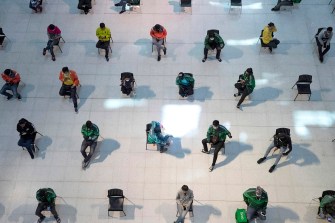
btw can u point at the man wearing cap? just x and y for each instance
(245, 85)
(158, 34)
(12, 79)
(323, 39)
(104, 35)
(213, 41)
(216, 135)
(256, 200)
(90, 133)
(70, 83)
(184, 201)
(268, 36)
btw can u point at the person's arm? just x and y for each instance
(97, 33)
(164, 33)
(190, 200)
(95, 135)
(329, 39)
(109, 35)
(220, 41)
(245, 198)
(320, 35)
(152, 33)
(16, 78)
(209, 133)
(75, 78)
(178, 80)
(289, 146)
(178, 198)
(83, 132)
(61, 76)
(206, 43)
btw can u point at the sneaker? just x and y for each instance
(58, 220)
(163, 150)
(275, 9)
(270, 49)
(107, 59)
(272, 168)
(19, 97)
(40, 219)
(321, 59)
(211, 168)
(219, 59)
(9, 97)
(76, 110)
(122, 11)
(237, 94)
(159, 58)
(203, 60)
(53, 58)
(164, 50)
(44, 51)
(117, 4)
(261, 160)
(85, 164)
(204, 151)
(238, 106)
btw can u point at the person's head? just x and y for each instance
(7, 72)
(184, 188)
(249, 71)
(181, 74)
(65, 70)
(89, 124)
(158, 28)
(216, 124)
(102, 25)
(271, 26)
(328, 31)
(51, 26)
(22, 122)
(259, 192)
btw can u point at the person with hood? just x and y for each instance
(257, 201)
(27, 136)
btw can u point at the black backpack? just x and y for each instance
(280, 139)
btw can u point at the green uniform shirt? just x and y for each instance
(91, 133)
(249, 197)
(221, 131)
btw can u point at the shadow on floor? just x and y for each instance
(286, 215)
(262, 95)
(144, 92)
(104, 149)
(145, 45)
(84, 93)
(43, 142)
(176, 149)
(202, 94)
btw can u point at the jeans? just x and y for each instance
(217, 146)
(159, 43)
(182, 213)
(70, 91)
(322, 53)
(50, 45)
(84, 145)
(282, 150)
(12, 87)
(273, 43)
(28, 144)
(103, 45)
(218, 52)
(245, 93)
(43, 206)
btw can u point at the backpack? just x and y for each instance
(280, 139)
(241, 216)
(44, 193)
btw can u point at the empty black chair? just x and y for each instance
(303, 85)
(303, 79)
(116, 200)
(190, 211)
(235, 3)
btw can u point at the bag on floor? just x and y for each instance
(241, 216)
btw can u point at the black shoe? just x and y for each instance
(40, 219)
(117, 4)
(321, 59)
(164, 50)
(9, 97)
(219, 59)
(261, 160)
(203, 60)
(204, 151)
(270, 49)
(238, 106)
(163, 150)
(122, 11)
(44, 51)
(19, 97)
(53, 58)
(275, 9)
(159, 58)
(272, 168)
(211, 168)
(236, 95)
(58, 220)
(107, 59)
(76, 110)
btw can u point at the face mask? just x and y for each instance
(211, 38)
(215, 127)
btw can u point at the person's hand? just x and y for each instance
(230, 136)
(221, 46)
(285, 154)
(73, 86)
(157, 39)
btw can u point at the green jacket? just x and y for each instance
(327, 204)
(185, 80)
(249, 81)
(91, 134)
(249, 197)
(217, 39)
(221, 131)
(46, 195)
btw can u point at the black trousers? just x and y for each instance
(103, 45)
(217, 147)
(69, 91)
(185, 91)
(245, 93)
(321, 53)
(86, 144)
(218, 52)
(43, 206)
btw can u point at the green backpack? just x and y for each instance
(241, 216)
(46, 195)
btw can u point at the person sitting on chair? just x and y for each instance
(2, 36)
(85, 5)
(54, 35)
(327, 207)
(90, 133)
(36, 5)
(127, 85)
(184, 201)
(245, 85)
(216, 135)
(104, 35)
(155, 135)
(46, 199)
(27, 136)
(323, 39)
(70, 83)
(282, 141)
(267, 37)
(123, 3)
(213, 41)
(185, 81)
(158, 34)
(256, 200)
(12, 79)
(281, 3)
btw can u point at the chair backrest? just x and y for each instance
(283, 130)
(127, 75)
(115, 193)
(305, 78)
(185, 2)
(212, 31)
(1, 32)
(236, 2)
(148, 127)
(116, 199)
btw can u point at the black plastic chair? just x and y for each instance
(186, 4)
(235, 3)
(303, 85)
(190, 211)
(303, 79)
(116, 200)
(57, 44)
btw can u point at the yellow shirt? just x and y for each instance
(267, 34)
(103, 34)
(67, 79)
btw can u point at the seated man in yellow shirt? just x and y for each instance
(267, 36)
(70, 82)
(104, 35)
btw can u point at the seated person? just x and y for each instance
(155, 136)
(90, 133)
(36, 5)
(184, 201)
(104, 35)
(127, 83)
(123, 3)
(85, 5)
(282, 3)
(27, 136)
(70, 83)
(323, 38)
(256, 200)
(46, 199)
(213, 41)
(12, 79)
(2, 36)
(185, 81)
(54, 35)
(267, 36)
(282, 141)
(158, 34)
(327, 207)
(245, 85)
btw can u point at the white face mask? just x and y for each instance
(215, 127)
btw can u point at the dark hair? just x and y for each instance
(158, 28)
(51, 26)
(102, 25)
(89, 124)
(216, 123)
(181, 74)
(271, 24)
(7, 71)
(65, 69)
(22, 121)
(330, 29)
(249, 70)
(184, 188)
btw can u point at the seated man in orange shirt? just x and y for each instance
(70, 82)
(158, 34)
(12, 79)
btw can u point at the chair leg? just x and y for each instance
(293, 85)
(296, 96)
(124, 213)
(309, 97)
(333, 9)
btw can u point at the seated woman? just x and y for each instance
(127, 83)
(85, 5)
(36, 5)
(185, 81)
(155, 136)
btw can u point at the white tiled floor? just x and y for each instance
(149, 179)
